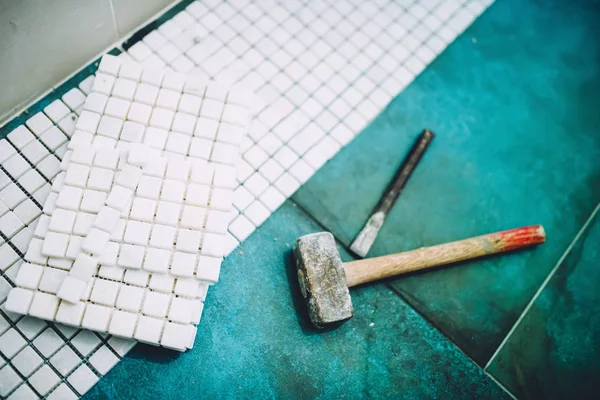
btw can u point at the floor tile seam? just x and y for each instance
(446, 337)
(543, 285)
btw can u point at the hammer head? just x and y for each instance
(322, 279)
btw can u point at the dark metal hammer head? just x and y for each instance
(322, 279)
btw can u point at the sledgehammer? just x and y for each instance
(324, 280)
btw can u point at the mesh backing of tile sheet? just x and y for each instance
(323, 69)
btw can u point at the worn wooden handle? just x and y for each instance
(372, 269)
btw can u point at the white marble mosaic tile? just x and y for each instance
(121, 216)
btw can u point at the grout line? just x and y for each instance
(500, 385)
(544, 284)
(114, 19)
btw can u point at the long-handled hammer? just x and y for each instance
(324, 280)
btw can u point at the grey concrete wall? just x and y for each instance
(44, 41)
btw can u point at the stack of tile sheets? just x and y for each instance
(133, 230)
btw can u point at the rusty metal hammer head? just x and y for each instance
(322, 279)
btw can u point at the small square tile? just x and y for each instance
(119, 197)
(224, 153)
(100, 179)
(123, 323)
(117, 108)
(146, 94)
(51, 280)
(55, 244)
(96, 102)
(9, 379)
(168, 99)
(48, 342)
(175, 335)
(38, 123)
(132, 132)
(103, 360)
(62, 392)
(139, 112)
(193, 217)
(155, 137)
(17, 165)
(131, 256)
(110, 127)
(11, 343)
(183, 264)
(143, 209)
(157, 260)
(167, 213)
(69, 198)
(124, 88)
(178, 143)
(82, 379)
(137, 232)
(93, 200)
(197, 194)
(156, 304)
(95, 241)
(31, 327)
(85, 342)
(130, 298)
(217, 221)
(162, 237)
(96, 317)
(187, 287)
(149, 330)
(103, 83)
(44, 379)
(70, 313)
(161, 283)
(105, 292)
(181, 310)
(173, 191)
(206, 128)
(149, 187)
(65, 360)
(188, 240)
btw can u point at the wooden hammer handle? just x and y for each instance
(372, 269)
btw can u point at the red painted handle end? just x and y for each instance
(521, 237)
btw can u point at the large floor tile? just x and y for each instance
(554, 353)
(253, 341)
(515, 109)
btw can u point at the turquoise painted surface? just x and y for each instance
(514, 103)
(555, 351)
(253, 341)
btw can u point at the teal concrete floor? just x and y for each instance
(514, 103)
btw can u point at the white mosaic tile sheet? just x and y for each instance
(156, 307)
(324, 67)
(99, 212)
